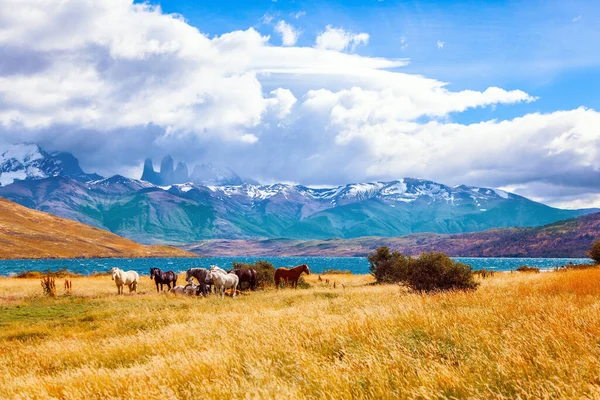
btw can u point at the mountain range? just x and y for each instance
(182, 213)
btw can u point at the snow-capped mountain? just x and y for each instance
(30, 162)
(188, 212)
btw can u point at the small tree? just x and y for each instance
(594, 252)
(429, 272)
(387, 267)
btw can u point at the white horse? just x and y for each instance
(223, 281)
(121, 278)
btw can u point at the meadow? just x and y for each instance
(519, 335)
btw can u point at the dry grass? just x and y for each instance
(26, 233)
(517, 336)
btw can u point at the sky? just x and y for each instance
(497, 94)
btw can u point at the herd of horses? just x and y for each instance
(214, 279)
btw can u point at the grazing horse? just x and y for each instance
(223, 281)
(163, 278)
(290, 275)
(200, 274)
(121, 278)
(246, 275)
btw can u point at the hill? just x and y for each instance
(568, 238)
(26, 233)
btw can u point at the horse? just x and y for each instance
(121, 278)
(246, 275)
(163, 278)
(200, 275)
(290, 275)
(224, 281)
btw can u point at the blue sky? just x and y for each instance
(499, 94)
(546, 48)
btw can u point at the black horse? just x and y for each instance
(200, 275)
(246, 275)
(163, 278)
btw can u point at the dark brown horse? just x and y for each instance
(246, 275)
(163, 278)
(290, 275)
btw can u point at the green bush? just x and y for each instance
(264, 272)
(594, 252)
(429, 272)
(387, 267)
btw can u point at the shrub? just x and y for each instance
(387, 267)
(594, 252)
(332, 271)
(429, 272)
(484, 273)
(525, 268)
(264, 272)
(61, 273)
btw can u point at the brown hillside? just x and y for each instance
(26, 233)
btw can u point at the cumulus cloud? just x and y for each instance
(289, 34)
(114, 82)
(339, 40)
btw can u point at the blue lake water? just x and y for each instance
(356, 265)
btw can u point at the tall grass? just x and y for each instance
(518, 335)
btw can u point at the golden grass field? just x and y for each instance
(517, 336)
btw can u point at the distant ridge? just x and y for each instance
(569, 238)
(30, 234)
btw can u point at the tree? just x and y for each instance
(594, 252)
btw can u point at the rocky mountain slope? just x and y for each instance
(203, 174)
(189, 212)
(28, 234)
(30, 162)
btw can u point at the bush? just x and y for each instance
(525, 268)
(264, 272)
(332, 271)
(484, 273)
(387, 267)
(61, 273)
(429, 272)
(594, 252)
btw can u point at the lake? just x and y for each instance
(357, 265)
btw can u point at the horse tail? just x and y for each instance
(254, 279)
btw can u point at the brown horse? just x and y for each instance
(290, 275)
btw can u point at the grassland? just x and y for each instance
(517, 336)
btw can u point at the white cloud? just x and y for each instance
(440, 44)
(403, 43)
(267, 19)
(299, 14)
(339, 40)
(576, 19)
(115, 82)
(289, 34)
